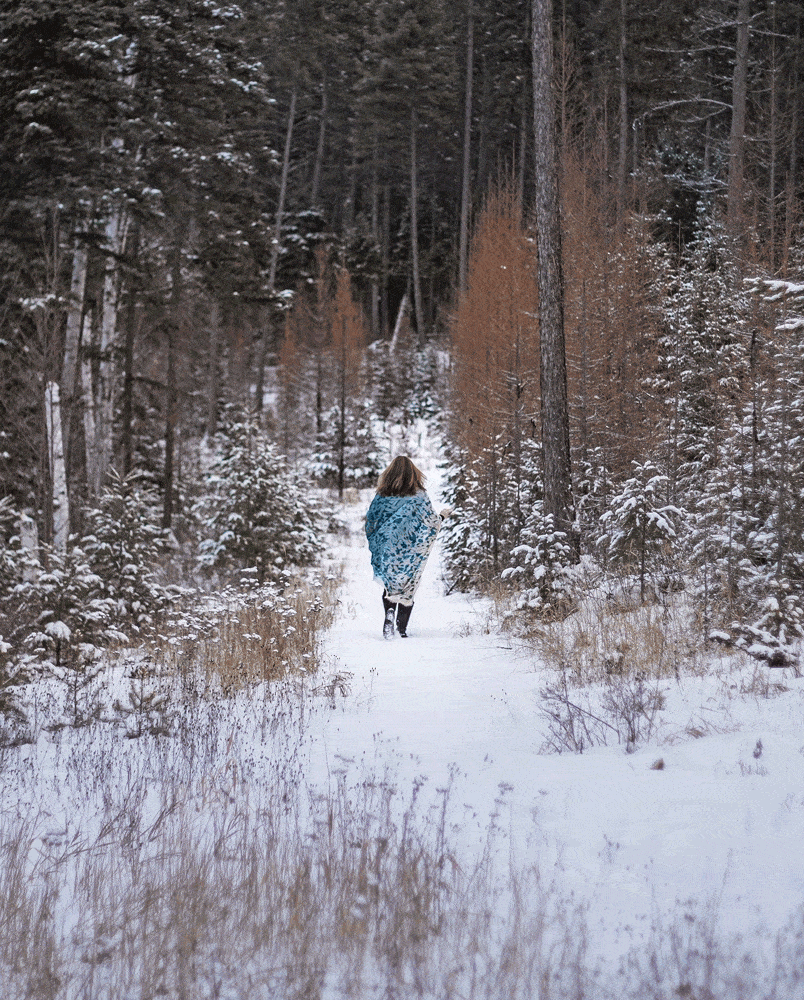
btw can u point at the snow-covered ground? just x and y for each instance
(618, 858)
(717, 831)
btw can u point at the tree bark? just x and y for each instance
(58, 469)
(275, 247)
(414, 228)
(555, 412)
(622, 162)
(171, 329)
(463, 251)
(99, 411)
(738, 103)
(322, 132)
(73, 329)
(127, 404)
(213, 372)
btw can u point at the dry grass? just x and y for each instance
(227, 889)
(615, 637)
(240, 641)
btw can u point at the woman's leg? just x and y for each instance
(402, 619)
(390, 613)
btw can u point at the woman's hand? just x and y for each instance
(446, 511)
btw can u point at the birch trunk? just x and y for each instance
(73, 330)
(275, 247)
(58, 469)
(555, 411)
(99, 442)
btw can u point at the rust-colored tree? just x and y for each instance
(495, 387)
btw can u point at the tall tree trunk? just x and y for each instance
(99, 412)
(739, 90)
(622, 160)
(70, 386)
(275, 246)
(463, 251)
(171, 329)
(322, 131)
(774, 72)
(555, 411)
(213, 371)
(375, 233)
(127, 403)
(385, 262)
(790, 186)
(58, 469)
(414, 228)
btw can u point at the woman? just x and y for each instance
(401, 527)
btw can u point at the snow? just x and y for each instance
(706, 818)
(631, 842)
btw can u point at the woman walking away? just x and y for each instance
(401, 527)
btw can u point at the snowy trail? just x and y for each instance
(604, 828)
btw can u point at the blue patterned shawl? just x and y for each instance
(401, 532)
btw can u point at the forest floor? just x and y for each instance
(713, 836)
(393, 826)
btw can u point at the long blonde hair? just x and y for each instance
(400, 479)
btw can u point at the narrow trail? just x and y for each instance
(457, 701)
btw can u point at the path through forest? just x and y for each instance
(708, 835)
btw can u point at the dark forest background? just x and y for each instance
(242, 237)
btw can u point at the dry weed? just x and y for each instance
(242, 641)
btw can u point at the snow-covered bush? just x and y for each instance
(640, 526)
(257, 514)
(74, 616)
(123, 547)
(493, 496)
(351, 444)
(542, 563)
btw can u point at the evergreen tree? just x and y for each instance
(257, 515)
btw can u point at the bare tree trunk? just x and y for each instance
(99, 411)
(275, 246)
(414, 228)
(375, 233)
(73, 330)
(774, 69)
(322, 130)
(463, 251)
(790, 196)
(127, 403)
(738, 100)
(555, 411)
(385, 266)
(401, 316)
(213, 371)
(171, 329)
(622, 162)
(58, 469)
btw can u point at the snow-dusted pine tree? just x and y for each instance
(256, 514)
(640, 526)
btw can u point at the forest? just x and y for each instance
(237, 240)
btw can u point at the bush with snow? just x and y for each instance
(542, 565)
(256, 513)
(123, 546)
(640, 526)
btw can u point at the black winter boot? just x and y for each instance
(402, 619)
(390, 613)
